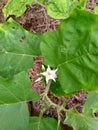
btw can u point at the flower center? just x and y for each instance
(49, 73)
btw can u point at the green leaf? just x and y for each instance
(81, 121)
(57, 89)
(37, 123)
(82, 4)
(17, 48)
(96, 9)
(14, 117)
(73, 49)
(42, 1)
(16, 7)
(61, 9)
(91, 103)
(14, 93)
(16, 89)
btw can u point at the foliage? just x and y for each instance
(77, 55)
(81, 4)
(16, 7)
(72, 51)
(81, 121)
(42, 1)
(59, 9)
(86, 120)
(96, 9)
(14, 93)
(91, 103)
(17, 48)
(14, 117)
(45, 123)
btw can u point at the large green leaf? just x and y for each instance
(16, 7)
(17, 48)
(14, 93)
(14, 117)
(91, 103)
(81, 121)
(74, 51)
(16, 89)
(37, 123)
(61, 9)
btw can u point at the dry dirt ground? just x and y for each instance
(35, 19)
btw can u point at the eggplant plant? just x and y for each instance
(71, 59)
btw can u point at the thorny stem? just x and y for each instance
(48, 101)
(39, 120)
(45, 97)
(59, 118)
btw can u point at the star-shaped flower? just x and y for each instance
(49, 74)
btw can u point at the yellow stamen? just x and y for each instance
(49, 73)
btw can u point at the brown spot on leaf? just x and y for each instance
(23, 38)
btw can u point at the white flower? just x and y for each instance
(49, 74)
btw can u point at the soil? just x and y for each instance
(35, 19)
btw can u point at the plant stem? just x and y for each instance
(48, 87)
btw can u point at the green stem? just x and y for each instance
(48, 87)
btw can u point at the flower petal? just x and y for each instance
(44, 73)
(39, 79)
(49, 74)
(48, 69)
